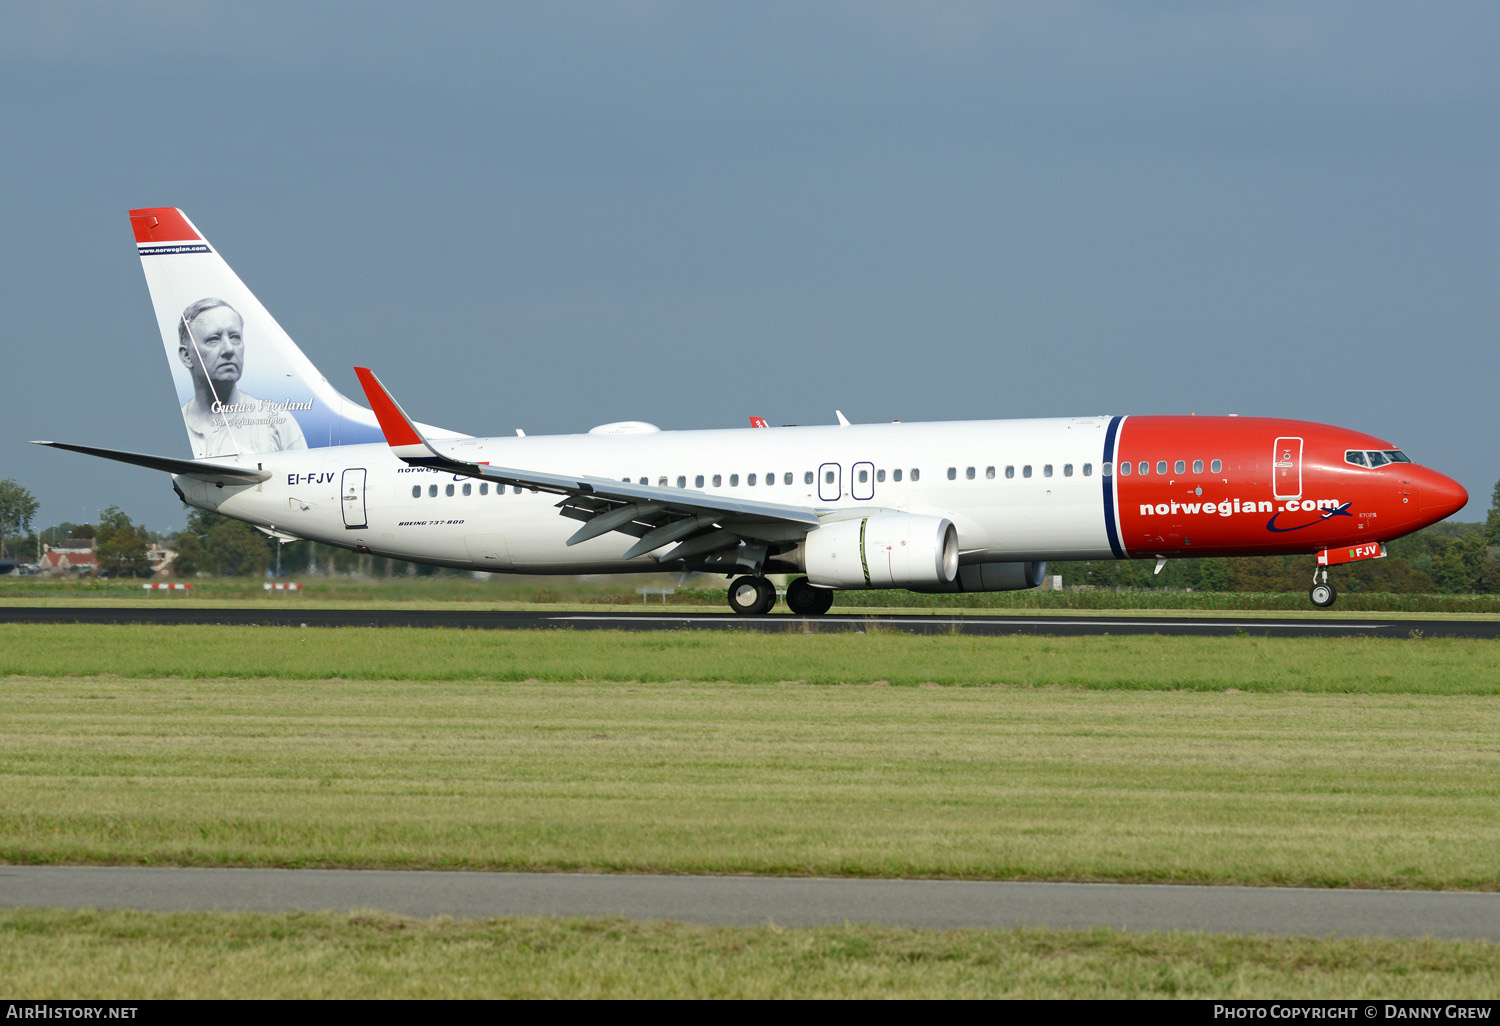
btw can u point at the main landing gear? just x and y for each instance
(752, 596)
(756, 596)
(805, 600)
(1322, 594)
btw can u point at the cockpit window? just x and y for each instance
(1375, 457)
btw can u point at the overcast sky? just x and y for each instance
(552, 215)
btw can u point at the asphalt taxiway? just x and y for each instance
(792, 902)
(1194, 626)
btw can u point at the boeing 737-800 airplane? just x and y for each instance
(942, 507)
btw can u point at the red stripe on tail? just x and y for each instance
(162, 224)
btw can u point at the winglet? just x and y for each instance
(400, 433)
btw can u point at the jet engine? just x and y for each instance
(993, 577)
(886, 550)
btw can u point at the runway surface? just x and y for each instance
(1371, 626)
(738, 900)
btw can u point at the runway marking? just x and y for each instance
(1309, 625)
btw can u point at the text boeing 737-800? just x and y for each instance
(941, 507)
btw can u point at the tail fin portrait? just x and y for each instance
(243, 384)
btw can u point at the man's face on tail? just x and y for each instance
(218, 350)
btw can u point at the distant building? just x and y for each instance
(74, 555)
(160, 560)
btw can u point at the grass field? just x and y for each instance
(127, 955)
(1282, 761)
(1359, 762)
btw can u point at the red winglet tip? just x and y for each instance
(393, 423)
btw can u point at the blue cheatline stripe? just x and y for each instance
(1109, 489)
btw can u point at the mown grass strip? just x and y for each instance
(140, 955)
(974, 782)
(1347, 665)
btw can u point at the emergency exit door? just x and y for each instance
(352, 494)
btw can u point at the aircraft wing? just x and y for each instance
(702, 525)
(214, 473)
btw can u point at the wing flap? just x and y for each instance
(645, 511)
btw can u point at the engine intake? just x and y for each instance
(887, 550)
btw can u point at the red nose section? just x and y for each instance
(1440, 496)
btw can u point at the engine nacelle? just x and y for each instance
(887, 550)
(994, 577)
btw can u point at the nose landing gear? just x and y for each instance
(1322, 594)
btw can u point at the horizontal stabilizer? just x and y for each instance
(215, 473)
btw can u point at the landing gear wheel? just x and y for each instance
(751, 596)
(805, 600)
(1323, 595)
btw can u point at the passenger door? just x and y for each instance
(1286, 465)
(352, 499)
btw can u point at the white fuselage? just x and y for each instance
(362, 496)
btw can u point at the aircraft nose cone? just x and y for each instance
(1441, 496)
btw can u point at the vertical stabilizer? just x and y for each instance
(242, 383)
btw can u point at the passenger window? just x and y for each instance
(468, 488)
(1047, 470)
(969, 473)
(517, 488)
(786, 478)
(449, 490)
(916, 475)
(432, 491)
(1026, 470)
(416, 491)
(1124, 469)
(807, 478)
(1217, 466)
(1010, 472)
(645, 480)
(1180, 467)
(698, 481)
(1145, 468)
(1067, 470)
(989, 473)
(661, 482)
(827, 478)
(734, 480)
(681, 480)
(896, 475)
(1088, 470)
(750, 480)
(1197, 466)
(864, 477)
(484, 489)
(880, 475)
(1161, 466)
(771, 478)
(952, 473)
